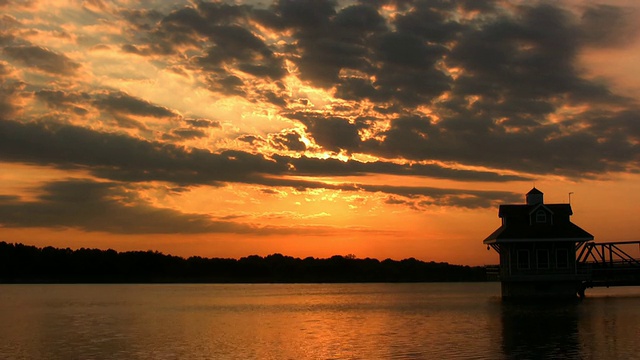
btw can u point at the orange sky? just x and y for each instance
(389, 129)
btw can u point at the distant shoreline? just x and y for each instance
(24, 264)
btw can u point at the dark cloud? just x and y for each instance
(42, 59)
(334, 167)
(607, 26)
(300, 14)
(120, 157)
(123, 158)
(448, 197)
(530, 55)
(385, 64)
(184, 134)
(142, 19)
(203, 123)
(8, 23)
(252, 139)
(275, 99)
(329, 41)
(226, 84)
(61, 100)
(407, 50)
(124, 104)
(221, 35)
(269, 191)
(622, 128)
(109, 207)
(120, 106)
(288, 140)
(543, 149)
(506, 56)
(496, 83)
(394, 200)
(332, 133)
(133, 49)
(237, 45)
(464, 199)
(428, 22)
(469, 202)
(10, 93)
(519, 67)
(177, 29)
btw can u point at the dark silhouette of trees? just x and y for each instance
(28, 264)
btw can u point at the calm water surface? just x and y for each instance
(310, 321)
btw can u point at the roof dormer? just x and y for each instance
(540, 215)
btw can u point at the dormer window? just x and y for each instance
(541, 216)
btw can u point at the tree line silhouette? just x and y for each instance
(29, 264)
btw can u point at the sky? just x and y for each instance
(383, 129)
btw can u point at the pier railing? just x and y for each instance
(609, 252)
(609, 264)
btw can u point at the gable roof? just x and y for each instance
(517, 226)
(524, 232)
(534, 191)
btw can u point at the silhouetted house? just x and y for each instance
(537, 245)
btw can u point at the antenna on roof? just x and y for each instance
(570, 197)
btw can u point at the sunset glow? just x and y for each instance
(384, 129)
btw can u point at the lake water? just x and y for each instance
(311, 321)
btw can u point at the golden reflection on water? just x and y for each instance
(307, 321)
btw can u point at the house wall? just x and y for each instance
(543, 277)
(537, 258)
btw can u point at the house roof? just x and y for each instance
(534, 191)
(524, 210)
(525, 232)
(517, 225)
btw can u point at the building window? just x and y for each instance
(523, 259)
(562, 258)
(541, 216)
(542, 258)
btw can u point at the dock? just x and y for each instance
(543, 255)
(608, 264)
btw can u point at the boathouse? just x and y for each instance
(537, 246)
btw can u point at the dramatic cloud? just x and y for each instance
(332, 133)
(61, 100)
(10, 93)
(120, 157)
(290, 140)
(606, 25)
(203, 123)
(109, 207)
(122, 103)
(495, 78)
(42, 59)
(558, 149)
(184, 134)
